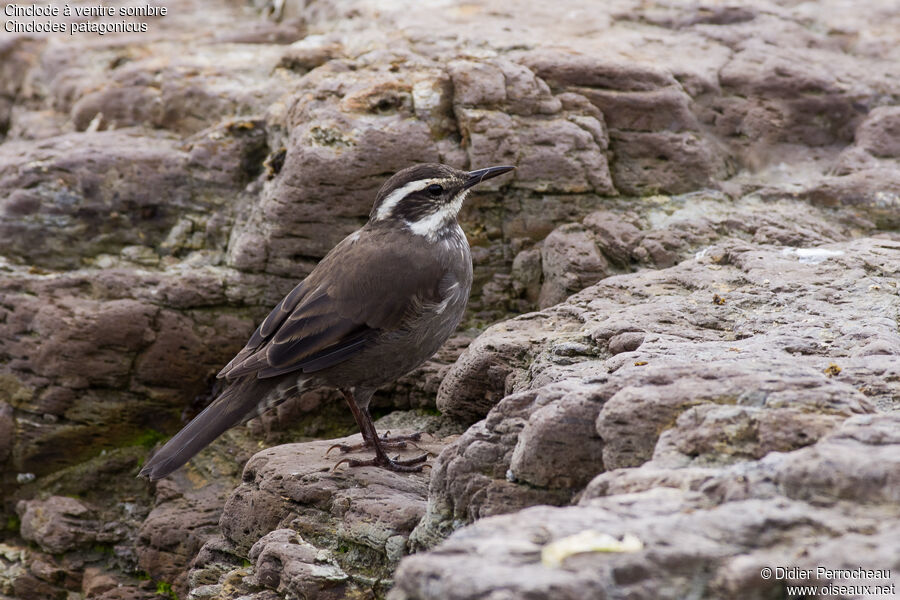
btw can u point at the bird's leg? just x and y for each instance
(387, 441)
(381, 459)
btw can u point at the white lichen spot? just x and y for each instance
(426, 96)
(885, 199)
(811, 256)
(310, 42)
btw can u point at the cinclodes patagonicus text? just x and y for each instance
(377, 306)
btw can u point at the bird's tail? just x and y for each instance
(242, 400)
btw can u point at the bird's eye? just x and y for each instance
(434, 189)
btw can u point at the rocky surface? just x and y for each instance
(742, 375)
(700, 238)
(311, 527)
(703, 530)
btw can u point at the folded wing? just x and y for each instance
(351, 298)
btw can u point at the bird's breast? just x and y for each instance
(454, 248)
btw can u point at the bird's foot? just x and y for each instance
(405, 465)
(387, 441)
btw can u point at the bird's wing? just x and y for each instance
(365, 287)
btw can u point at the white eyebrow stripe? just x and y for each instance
(399, 194)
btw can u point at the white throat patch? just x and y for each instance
(434, 223)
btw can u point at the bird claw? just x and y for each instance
(344, 448)
(339, 463)
(407, 465)
(415, 460)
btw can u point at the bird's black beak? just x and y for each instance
(476, 177)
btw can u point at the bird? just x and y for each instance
(377, 306)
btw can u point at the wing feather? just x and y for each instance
(297, 348)
(351, 298)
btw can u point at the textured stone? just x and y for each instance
(290, 566)
(473, 477)
(59, 524)
(314, 529)
(93, 362)
(571, 261)
(7, 431)
(185, 516)
(706, 530)
(99, 192)
(158, 197)
(614, 235)
(711, 382)
(511, 116)
(485, 371)
(873, 192)
(96, 582)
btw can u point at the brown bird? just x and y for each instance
(377, 306)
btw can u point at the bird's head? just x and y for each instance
(426, 198)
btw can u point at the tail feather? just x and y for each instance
(237, 403)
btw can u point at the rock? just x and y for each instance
(565, 153)
(98, 192)
(290, 566)
(628, 341)
(873, 192)
(19, 54)
(120, 340)
(7, 431)
(60, 524)
(131, 592)
(571, 262)
(485, 371)
(186, 94)
(632, 419)
(29, 587)
(473, 477)
(48, 569)
(880, 132)
(679, 161)
(13, 561)
(704, 211)
(709, 382)
(96, 582)
(797, 81)
(614, 235)
(185, 517)
(526, 274)
(309, 53)
(702, 529)
(543, 456)
(652, 129)
(312, 529)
